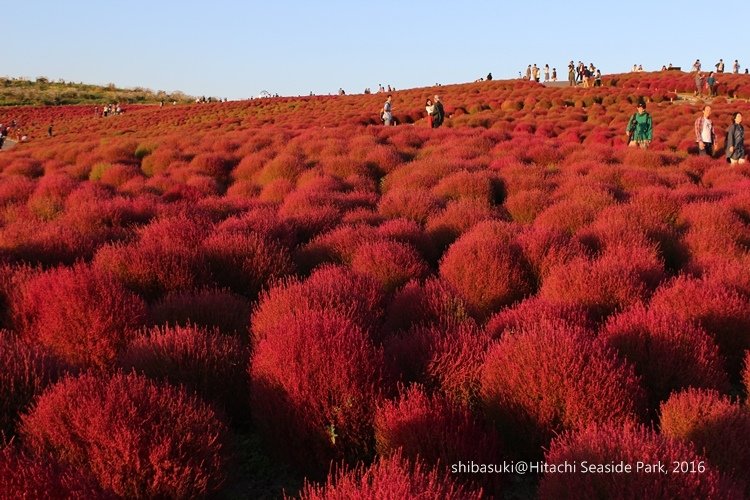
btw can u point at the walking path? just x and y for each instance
(8, 144)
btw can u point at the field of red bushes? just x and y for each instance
(283, 297)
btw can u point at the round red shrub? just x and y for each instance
(613, 443)
(337, 246)
(668, 353)
(717, 427)
(390, 263)
(414, 204)
(535, 310)
(246, 263)
(623, 275)
(433, 302)
(315, 381)
(137, 438)
(549, 377)
(433, 429)
(389, 477)
(487, 268)
(201, 360)
(719, 310)
(457, 218)
(330, 288)
(80, 314)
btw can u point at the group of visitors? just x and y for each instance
(109, 109)
(640, 129)
(18, 132)
(589, 76)
(533, 73)
(433, 107)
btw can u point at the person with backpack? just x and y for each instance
(705, 135)
(640, 128)
(735, 148)
(438, 114)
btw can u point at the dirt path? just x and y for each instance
(8, 144)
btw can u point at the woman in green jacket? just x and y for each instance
(640, 129)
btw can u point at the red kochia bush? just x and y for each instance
(423, 304)
(334, 288)
(137, 438)
(315, 380)
(667, 352)
(535, 310)
(717, 427)
(487, 268)
(389, 477)
(82, 315)
(22, 476)
(25, 372)
(202, 360)
(246, 264)
(432, 428)
(414, 204)
(613, 443)
(718, 309)
(549, 377)
(623, 275)
(391, 263)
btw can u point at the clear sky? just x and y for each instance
(237, 49)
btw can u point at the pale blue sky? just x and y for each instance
(237, 49)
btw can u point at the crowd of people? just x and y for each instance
(108, 110)
(12, 129)
(640, 131)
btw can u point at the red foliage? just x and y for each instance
(137, 438)
(717, 427)
(389, 477)
(391, 263)
(719, 310)
(315, 380)
(612, 444)
(26, 371)
(22, 476)
(203, 361)
(415, 204)
(623, 275)
(535, 310)
(487, 268)
(246, 264)
(433, 302)
(668, 353)
(549, 377)
(330, 288)
(435, 430)
(82, 315)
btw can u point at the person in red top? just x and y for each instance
(705, 135)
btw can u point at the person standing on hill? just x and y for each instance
(640, 128)
(736, 67)
(438, 114)
(571, 74)
(698, 84)
(711, 84)
(697, 65)
(387, 114)
(705, 135)
(535, 73)
(546, 72)
(720, 66)
(528, 72)
(429, 107)
(735, 149)
(554, 74)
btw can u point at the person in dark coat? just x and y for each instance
(438, 114)
(735, 148)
